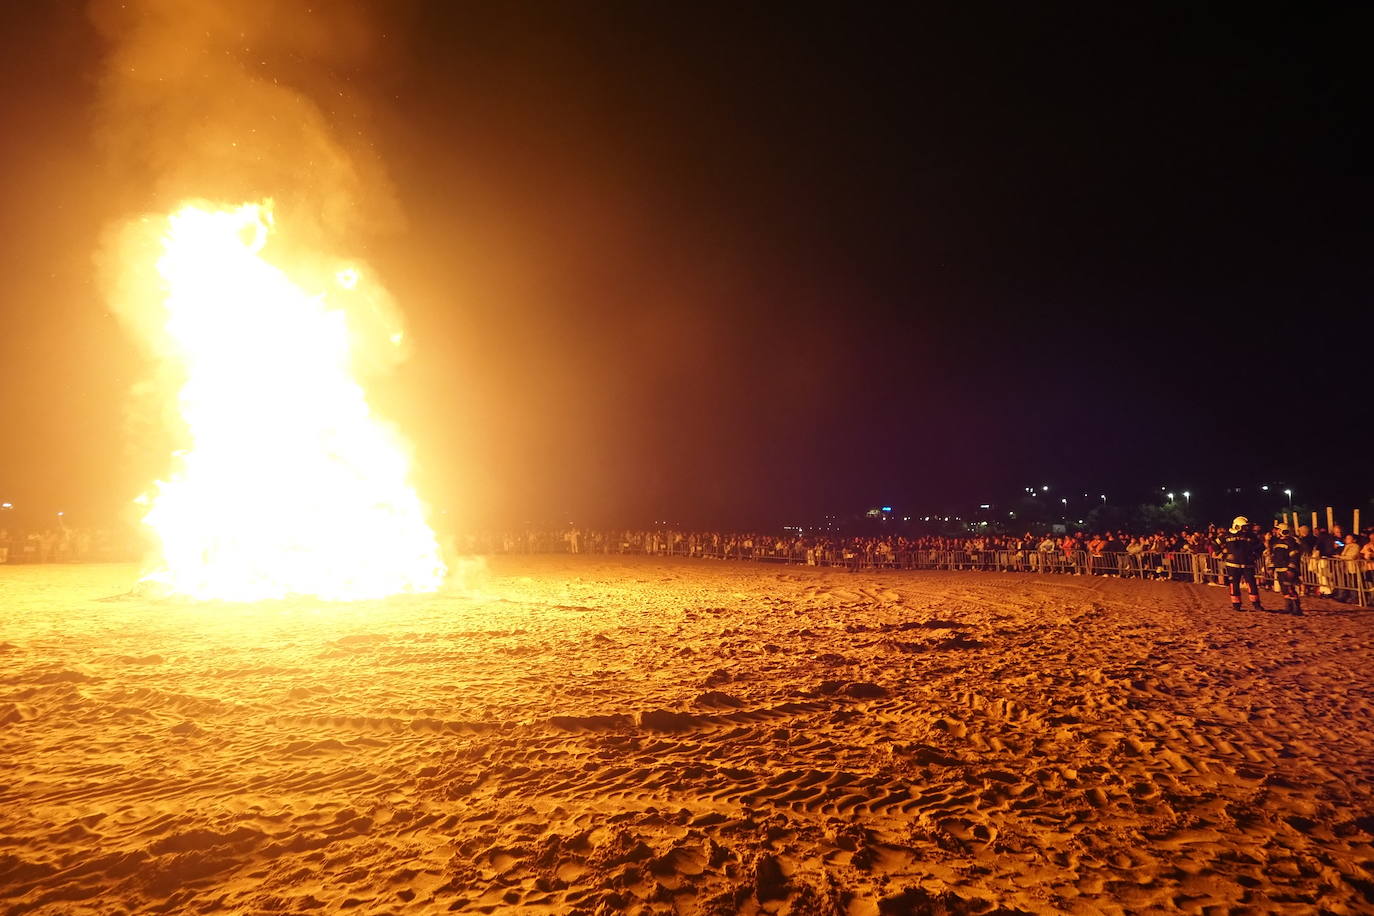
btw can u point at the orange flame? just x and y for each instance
(290, 485)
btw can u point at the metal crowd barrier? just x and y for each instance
(1343, 579)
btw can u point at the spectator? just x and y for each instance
(1349, 558)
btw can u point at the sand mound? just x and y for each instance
(596, 736)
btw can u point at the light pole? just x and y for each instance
(1289, 494)
(1187, 498)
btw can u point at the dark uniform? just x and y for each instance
(1286, 552)
(1239, 551)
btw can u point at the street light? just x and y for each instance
(1187, 497)
(1171, 496)
(1104, 499)
(1289, 494)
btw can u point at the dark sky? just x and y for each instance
(725, 266)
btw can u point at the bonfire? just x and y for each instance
(288, 484)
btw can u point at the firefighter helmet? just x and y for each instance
(1238, 523)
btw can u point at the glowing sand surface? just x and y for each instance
(584, 734)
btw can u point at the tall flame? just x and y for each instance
(290, 485)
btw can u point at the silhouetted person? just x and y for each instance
(1239, 551)
(1286, 552)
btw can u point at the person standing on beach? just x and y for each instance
(1239, 550)
(1286, 552)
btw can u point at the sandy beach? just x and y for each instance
(629, 735)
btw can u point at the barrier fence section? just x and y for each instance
(1346, 580)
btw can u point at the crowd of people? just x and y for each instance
(881, 550)
(68, 545)
(1324, 561)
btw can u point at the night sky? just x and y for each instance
(724, 266)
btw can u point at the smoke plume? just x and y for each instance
(237, 100)
(231, 102)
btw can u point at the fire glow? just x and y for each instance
(289, 484)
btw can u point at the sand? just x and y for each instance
(608, 735)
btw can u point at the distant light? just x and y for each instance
(985, 506)
(1285, 493)
(6, 505)
(887, 508)
(1046, 487)
(1170, 495)
(61, 513)
(1265, 487)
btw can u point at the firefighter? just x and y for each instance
(1286, 551)
(1239, 551)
